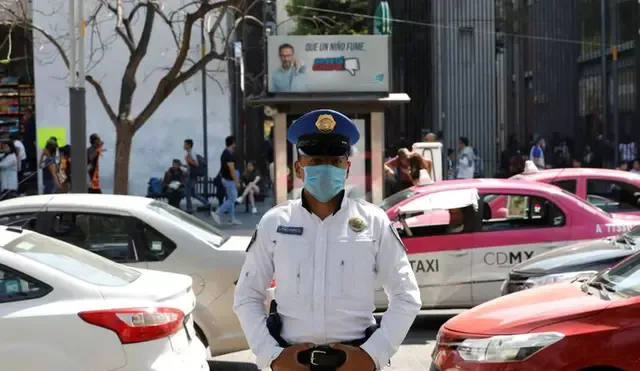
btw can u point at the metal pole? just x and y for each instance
(77, 104)
(604, 96)
(72, 43)
(205, 140)
(614, 71)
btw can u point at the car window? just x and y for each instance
(102, 234)
(72, 260)
(23, 220)
(396, 198)
(156, 246)
(15, 286)
(504, 212)
(613, 196)
(568, 185)
(188, 222)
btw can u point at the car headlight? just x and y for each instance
(555, 278)
(506, 348)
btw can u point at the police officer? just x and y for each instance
(327, 254)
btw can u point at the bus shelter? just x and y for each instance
(366, 178)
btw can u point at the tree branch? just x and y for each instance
(103, 99)
(128, 86)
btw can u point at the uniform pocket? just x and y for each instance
(352, 268)
(290, 260)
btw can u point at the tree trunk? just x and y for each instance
(124, 139)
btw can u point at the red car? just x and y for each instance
(503, 223)
(580, 326)
(613, 191)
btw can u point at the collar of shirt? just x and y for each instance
(341, 202)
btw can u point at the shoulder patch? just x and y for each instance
(253, 239)
(394, 231)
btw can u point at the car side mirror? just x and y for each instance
(156, 246)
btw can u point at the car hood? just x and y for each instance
(576, 255)
(527, 310)
(236, 243)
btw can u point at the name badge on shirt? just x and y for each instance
(295, 231)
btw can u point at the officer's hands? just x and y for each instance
(288, 359)
(357, 358)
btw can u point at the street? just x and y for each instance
(415, 353)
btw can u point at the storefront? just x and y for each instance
(17, 96)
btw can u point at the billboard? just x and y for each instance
(329, 64)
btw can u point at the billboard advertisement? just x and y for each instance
(329, 64)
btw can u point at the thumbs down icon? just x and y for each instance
(352, 65)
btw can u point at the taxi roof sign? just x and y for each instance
(530, 168)
(445, 200)
(424, 179)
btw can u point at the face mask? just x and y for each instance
(324, 182)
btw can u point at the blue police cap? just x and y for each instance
(323, 133)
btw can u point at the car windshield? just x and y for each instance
(72, 260)
(587, 204)
(396, 198)
(624, 278)
(189, 222)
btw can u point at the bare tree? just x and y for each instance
(182, 22)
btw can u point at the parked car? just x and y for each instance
(613, 191)
(145, 233)
(575, 262)
(512, 222)
(580, 326)
(65, 309)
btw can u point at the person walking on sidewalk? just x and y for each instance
(230, 182)
(192, 177)
(327, 253)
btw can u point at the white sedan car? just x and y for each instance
(144, 233)
(65, 309)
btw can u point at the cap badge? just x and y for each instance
(325, 123)
(357, 224)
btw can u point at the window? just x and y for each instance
(72, 260)
(567, 185)
(190, 223)
(395, 199)
(15, 286)
(503, 212)
(102, 234)
(613, 196)
(25, 220)
(156, 246)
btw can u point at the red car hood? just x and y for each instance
(527, 310)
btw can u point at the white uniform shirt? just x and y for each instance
(326, 274)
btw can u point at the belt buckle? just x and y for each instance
(314, 353)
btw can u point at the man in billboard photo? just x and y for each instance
(289, 77)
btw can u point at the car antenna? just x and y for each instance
(21, 227)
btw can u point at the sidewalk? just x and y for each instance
(249, 220)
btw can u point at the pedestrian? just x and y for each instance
(94, 152)
(536, 154)
(230, 181)
(50, 182)
(64, 169)
(328, 254)
(173, 183)
(250, 182)
(430, 138)
(9, 170)
(466, 160)
(194, 169)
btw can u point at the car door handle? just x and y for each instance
(459, 254)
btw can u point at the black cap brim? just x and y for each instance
(324, 145)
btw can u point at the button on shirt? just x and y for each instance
(326, 275)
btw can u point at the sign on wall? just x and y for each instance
(329, 64)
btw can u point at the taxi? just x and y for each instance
(614, 191)
(464, 236)
(577, 326)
